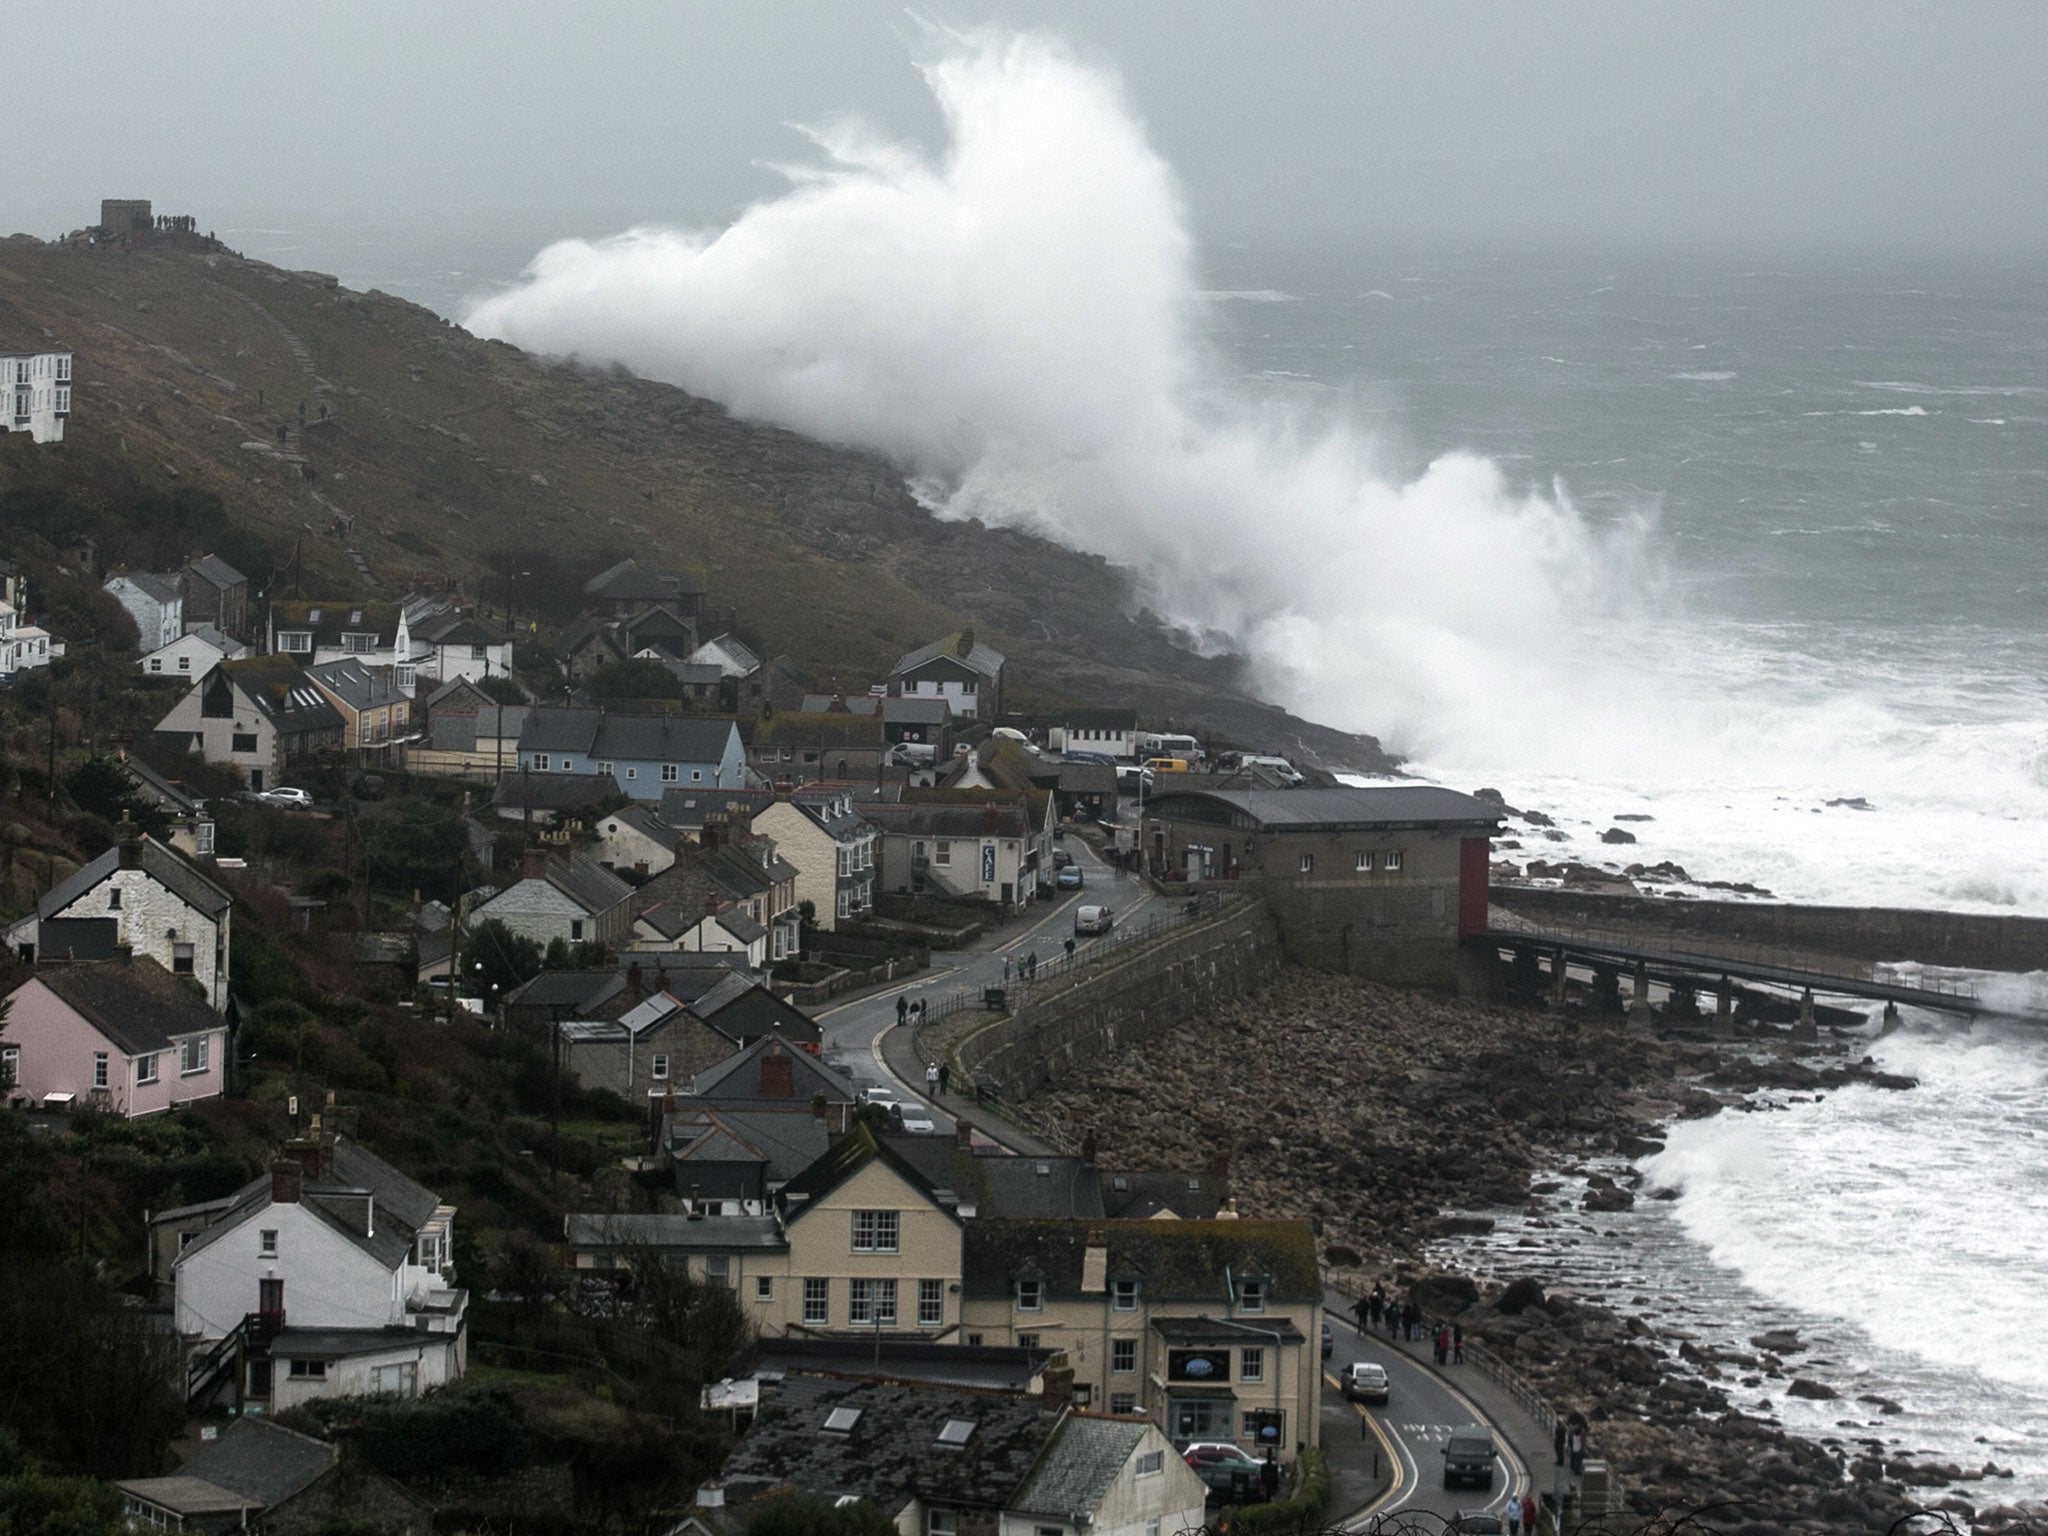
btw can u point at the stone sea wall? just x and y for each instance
(1122, 1002)
(1973, 941)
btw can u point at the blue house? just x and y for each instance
(644, 754)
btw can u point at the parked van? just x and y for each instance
(1166, 764)
(1169, 745)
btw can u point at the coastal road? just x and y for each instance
(854, 1032)
(1420, 1412)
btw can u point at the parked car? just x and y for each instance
(918, 1120)
(1092, 757)
(1069, 877)
(1329, 1341)
(1366, 1382)
(1468, 1457)
(288, 797)
(1479, 1522)
(1089, 920)
(1223, 1468)
(1061, 858)
(877, 1094)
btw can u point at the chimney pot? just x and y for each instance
(533, 864)
(287, 1182)
(963, 1135)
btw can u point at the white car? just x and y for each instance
(289, 798)
(886, 1097)
(918, 1119)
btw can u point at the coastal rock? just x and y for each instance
(1617, 835)
(1609, 1199)
(1519, 1296)
(1817, 1391)
(1779, 1341)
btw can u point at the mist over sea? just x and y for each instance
(1707, 538)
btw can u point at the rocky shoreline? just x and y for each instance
(1383, 1116)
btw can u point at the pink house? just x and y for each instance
(125, 1035)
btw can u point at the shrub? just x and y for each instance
(1303, 1512)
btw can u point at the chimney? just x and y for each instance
(713, 833)
(1095, 1262)
(633, 979)
(964, 647)
(131, 842)
(1088, 1145)
(533, 863)
(287, 1180)
(1057, 1391)
(778, 1075)
(819, 1109)
(963, 1135)
(1219, 1165)
(711, 1495)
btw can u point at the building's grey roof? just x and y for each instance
(713, 1234)
(729, 989)
(570, 991)
(1182, 1262)
(411, 1203)
(155, 786)
(951, 821)
(741, 655)
(991, 1367)
(358, 686)
(520, 791)
(1288, 810)
(334, 1196)
(901, 711)
(1079, 1467)
(685, 809)
(190, 1497)
(1146, 1193)
(1087, 779)
(601, 734)
(277, 686)
(821, 806)
(455, 628)
(840, 704)
(162, 589)
(985, 659)
(433, 948)
(586, 882)
(784, 1143)
(338, 1343)
(217, 572)
(460, 730)
(737, 1079)
(138, 1005)
(329, 619)
(384, 948)
(159, 863)
(645, 820)
(449, 691)
(998, 1185)
(891, 1455)
(264, 1462)
(630, 581)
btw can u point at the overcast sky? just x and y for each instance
(1762, 121)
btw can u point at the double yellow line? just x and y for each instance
(1387, 1450)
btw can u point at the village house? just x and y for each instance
(191, 826)
(722, 892)
(153, 602)
(192, 655)
(140, 897)
(977, 851)
(686, 810)
(958, 669)
(330, 1276)
(1210, 1328)
(800, 747)
(375, 634)
(122, 1035)
(587, 646)
(645, 754)
(36, 388)
(1111, 732)
(732, 657)
(951, 1459)
(448, 643)
(635, 838)
(468, 734)
(625, 589)
(375, 714)
(261, 1476)
(728, 1162)
(217, 594)
(643, 1052)
(770, 1074)
(256, 716)
(832, 846)
(23, 645)
(744, 1011)
(1382, 882)
(553, 798)
(562, 894)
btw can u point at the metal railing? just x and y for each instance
(1706, 952)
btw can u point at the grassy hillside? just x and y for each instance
(448, 451)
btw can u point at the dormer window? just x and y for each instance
(295, 640)
(1030, 1295)
(1251, 1296)
(1126, 1293)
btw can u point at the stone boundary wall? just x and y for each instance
(1122, 1001)
(1969, 940)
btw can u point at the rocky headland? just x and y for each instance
(1394, 1120)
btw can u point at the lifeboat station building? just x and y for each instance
(1382, 882)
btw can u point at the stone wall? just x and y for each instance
(1122, 1000)
(1969, 940)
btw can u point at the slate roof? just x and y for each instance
(402, 1206)
(645, 820)
(1087, 779)
(277, 686)
(153, 785)
(840, 703)
(216, 572)
(1176, 1261)
(631, 581)
(737, 1079)
(358, 686)
(991, 1367)
(985, 659)
(846, 1157)
(900, 711)
(891, 1455)
(999, 1185)
(822, 732)
(784, 1144)
(159, 863)
(708, 1233)
(600, 733)
(577, 992)
(460, 730)
(137, 1004)
(519, 791)
(1148, 1193)
(847, 827)
(455, 628)
(188, 1496)
(685, 809)
(586, 882)
(1080, 1465)
(951, 821)
(162, 589)
(741, 655)
(1287, 810)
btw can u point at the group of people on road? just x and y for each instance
(1403, 1320)
(908, 1012)
(936, 1075)
(1521, 1514)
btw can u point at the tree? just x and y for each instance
(503, 689)
(705, 1323)
(495, 959)
(635, 678)
(101, 789)
(417, 846)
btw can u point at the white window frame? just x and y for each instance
(1365, 861)
(764, 1287)
(307, 1370)
(298, 642)
(192, 1056)
(1308, 863)
(10, 1065)
(101, 1070)
(1125, 1294)
(1151, 1463)
(540, 762)
(817, 1302)
(1251, 1363)
(658, 1069)
(146, 1069)
(668, 773)
(931, 1303)
(266, 1243)
(1251, 1296)
(876, 1231)
(1126, 1351)
(358, 644)
(1392, 862)
(1030, 1295)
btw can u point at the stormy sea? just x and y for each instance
(1752, 550)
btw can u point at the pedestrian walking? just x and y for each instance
(945, 1072)
(1031, 966)
(1529, 1512)
(1443, 1343)
(1006, 970)
(1557, 1440)
(1070, 949)
(1514, 1514)
(1412, 1316)
(903, 1009)
(931, 1077)
(1363, 1309)
(1457, 1343)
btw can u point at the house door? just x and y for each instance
(256, 779)
(270, 1303)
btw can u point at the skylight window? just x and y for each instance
(840, 1421)
(958, 1431)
